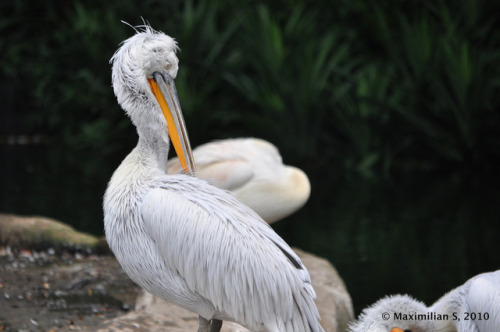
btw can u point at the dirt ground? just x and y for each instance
(61, 291)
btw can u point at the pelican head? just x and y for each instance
(144, 69)
(385, 315)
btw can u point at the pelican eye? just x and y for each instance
(168, 66)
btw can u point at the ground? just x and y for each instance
(61, 291)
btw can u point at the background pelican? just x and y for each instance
(472, 307)
(253, 170)
(181, 238)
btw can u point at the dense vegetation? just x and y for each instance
(360, 86)
(356, 92)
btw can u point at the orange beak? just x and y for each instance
(163, 88)
(397, 329)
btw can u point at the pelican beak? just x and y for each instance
(163, 88)
(397, 329)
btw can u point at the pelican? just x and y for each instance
(253, 170)
(179, 237)
(472, 307)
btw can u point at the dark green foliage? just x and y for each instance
(285, 72)
(370, 88)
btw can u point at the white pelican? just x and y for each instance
(472, 307)
(181, 238)
(253, 170)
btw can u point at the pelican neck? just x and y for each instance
(154, 145)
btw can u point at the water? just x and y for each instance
(422, 234)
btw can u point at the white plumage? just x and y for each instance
(472, 307)
(253, 170)
(183, 239)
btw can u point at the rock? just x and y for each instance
(154, 314)
(42, 233)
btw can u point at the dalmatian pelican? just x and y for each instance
(179, 237)
(472, 307)
(253, 170)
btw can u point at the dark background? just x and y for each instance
(391, 108)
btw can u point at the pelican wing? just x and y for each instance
(227, 163)
(229, 174)
(227, 254)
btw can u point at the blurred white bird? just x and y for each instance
(253, 170)
(181, 238)
(472, 307)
